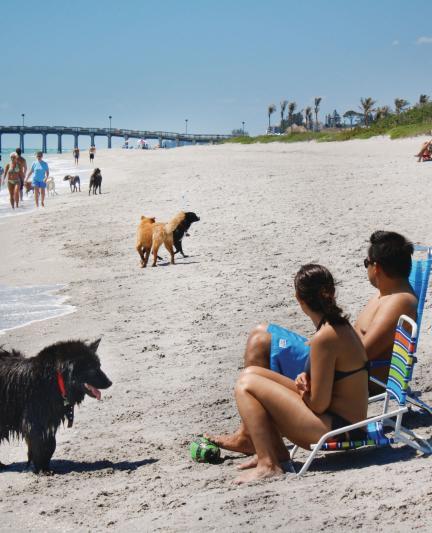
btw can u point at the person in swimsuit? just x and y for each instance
(13, 174)
(331, 393)
(41, 173)
(76, 154)
(388, 266)
(92, 151)
(23, 163)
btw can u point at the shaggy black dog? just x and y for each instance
(39, 393)
(74, 182)
(95, 181)
(181, 231)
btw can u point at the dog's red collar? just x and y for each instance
(61, 385)
(69, 408)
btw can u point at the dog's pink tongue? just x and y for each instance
(96, 392)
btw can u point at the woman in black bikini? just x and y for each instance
(332, 393)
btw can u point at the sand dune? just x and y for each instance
(173, 336)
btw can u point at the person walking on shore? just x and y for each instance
(76, 154)
(41, 173)
(13, 179)
(92, 152)
(23, 163)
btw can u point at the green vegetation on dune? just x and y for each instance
(409, 123)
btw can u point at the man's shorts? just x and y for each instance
(40, 184)
(289, 353)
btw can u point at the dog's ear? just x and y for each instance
(153, 219)
(94, 345)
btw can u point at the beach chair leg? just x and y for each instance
(293, 451)
(425, 446)
(427, 450)
(420, 404)
(308, 462)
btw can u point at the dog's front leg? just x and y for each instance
(40, 450)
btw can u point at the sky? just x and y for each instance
(154, 64)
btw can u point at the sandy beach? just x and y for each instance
(173, 336)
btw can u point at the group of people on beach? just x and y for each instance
(16, 175)
(76, 154)
(301, 389)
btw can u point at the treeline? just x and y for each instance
(367, 115)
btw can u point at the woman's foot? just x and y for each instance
(237, 442)
(258, 473)
(250, 463)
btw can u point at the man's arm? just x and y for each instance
(379, 337)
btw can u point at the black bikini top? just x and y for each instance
(340, 374)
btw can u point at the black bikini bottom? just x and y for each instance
(340, 422)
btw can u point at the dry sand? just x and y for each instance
(173, 336)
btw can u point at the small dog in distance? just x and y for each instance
(74, 183)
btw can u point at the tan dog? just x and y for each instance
(151, 235)
(145, 238)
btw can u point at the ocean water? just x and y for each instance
(20, 306)
(59, 167)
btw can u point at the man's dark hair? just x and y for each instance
(18, 151)
(392, 251)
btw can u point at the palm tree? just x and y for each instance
(308, 116)
(316, 109)
(283, 106)
(424, 99)
(270, 110)
(400, 104)
(367, 108)
(291, 108)
(382, 112)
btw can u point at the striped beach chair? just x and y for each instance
(400, 374)
(419, 280)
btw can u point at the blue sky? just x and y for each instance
(152, 64)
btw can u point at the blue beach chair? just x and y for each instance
(419, 280)
(401, 369)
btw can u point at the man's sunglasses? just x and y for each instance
(368, 262)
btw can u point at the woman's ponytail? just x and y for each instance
(315, 286)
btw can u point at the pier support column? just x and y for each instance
(75, 140)
(22, 142)
(160, 142)
(109, 140)
(194, 141)
(0, 144)
(177, 141)
(59, 143)
(44, 143)
(91, 139)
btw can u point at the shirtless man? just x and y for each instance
(388, 265)
(23, 163)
